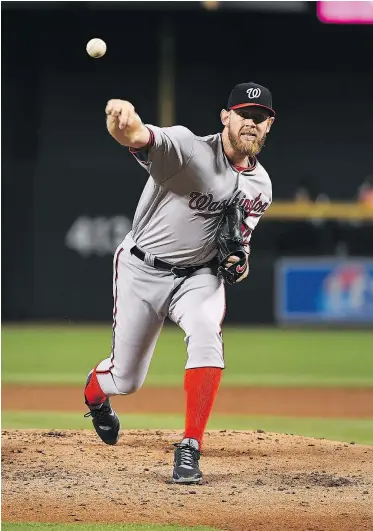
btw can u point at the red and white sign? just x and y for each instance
(345, 12)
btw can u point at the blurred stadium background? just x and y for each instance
(304, 317)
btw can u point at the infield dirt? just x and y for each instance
(327, 402)
(252, 481)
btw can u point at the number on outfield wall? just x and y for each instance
(97, 236)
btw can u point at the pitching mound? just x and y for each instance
(253, 481)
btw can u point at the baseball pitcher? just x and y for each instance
(172, 264)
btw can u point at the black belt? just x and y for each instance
(160, 264)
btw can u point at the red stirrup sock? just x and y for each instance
(201, 386)
(93, 392)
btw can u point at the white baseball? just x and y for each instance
(96, 48)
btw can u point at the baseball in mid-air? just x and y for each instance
(96, 48)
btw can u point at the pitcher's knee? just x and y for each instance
(127, 386)
(205, 346)
(128, 368)
(204, 329)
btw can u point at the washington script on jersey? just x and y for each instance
(252, 207)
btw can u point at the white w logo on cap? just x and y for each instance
(253, 93)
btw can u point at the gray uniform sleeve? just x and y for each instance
(169, 150)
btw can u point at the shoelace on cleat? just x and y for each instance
(97, 413)
(186, 456)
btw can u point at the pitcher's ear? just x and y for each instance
(224, 117)
(270, 122)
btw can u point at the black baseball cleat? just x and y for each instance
(186, 462)
(104, 420)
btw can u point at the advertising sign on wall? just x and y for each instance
(314, 290)
(345, 12)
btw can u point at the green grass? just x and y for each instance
(358, 430)
(275, 357)
(99, 527)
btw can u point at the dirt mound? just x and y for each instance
(252, 481)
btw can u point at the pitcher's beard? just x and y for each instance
(246, 149)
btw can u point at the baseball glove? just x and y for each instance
(230, 244)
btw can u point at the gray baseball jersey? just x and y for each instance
(191, 181)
